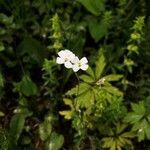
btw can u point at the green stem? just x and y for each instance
(77, 89)
(78, 83)
(80, 112)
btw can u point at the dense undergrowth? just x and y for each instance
(44, 106)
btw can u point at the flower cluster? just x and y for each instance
(70, 60)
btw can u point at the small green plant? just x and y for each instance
(53, 140)
(118, 138)
(139, 118)
(56, 36)
(17, 122)
(135, 39)
(91, 97)
(50, 77)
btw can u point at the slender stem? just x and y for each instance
(77, 89)
(78, 83)
(79, 111)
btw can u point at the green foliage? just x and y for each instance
(135, 39)
(100, 65)
(55, 142)
(1, 80)
(99, 29)
(118, 139)
(139, 118)
(139, 23)
(92, 97)
(56, 36)
(95, 7)
(45, 128)
(32, 48)
(113, 35)
(113, 77)
(68, 113)
(26, 86)
(113, 112)
(17, 122)
(3, 140)
(49, 76)
(89, 91)
(1, 47)
(1, 114)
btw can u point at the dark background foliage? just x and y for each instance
(33, 86)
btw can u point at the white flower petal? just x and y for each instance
(67, 51)
(75, 60)
(84, 60)
(66, 54)
(75, 68)
(69, 60)
(71, 57)
(62, 54)
(59, 60)
(68, 64)
(84, 67)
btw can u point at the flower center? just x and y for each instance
(66, 59)
(79, 64)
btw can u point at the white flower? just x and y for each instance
(79, 64)
(69, 60)
(65, 57)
